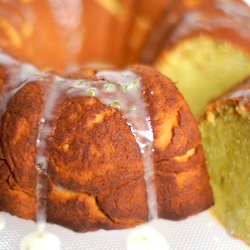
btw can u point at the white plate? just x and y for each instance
(200, 232)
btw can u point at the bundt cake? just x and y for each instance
(225, 130)
(204, 50)
(109, 149)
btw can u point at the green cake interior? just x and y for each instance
(204, 68)
(226, 141)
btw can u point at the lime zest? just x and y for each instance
(91, 91)
(115, 104)
(131, 85)
(109, 87)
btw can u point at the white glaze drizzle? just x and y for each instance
(236, 17)
(40, 241)
(243, 95)
(139, 121)
(19, 74)
(146, 238)
(2, 222)
(45, 132)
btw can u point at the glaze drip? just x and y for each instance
(135, 112)
(40, 241)
(243, 95)
(18, 75)
(45, 132)
(2, 222)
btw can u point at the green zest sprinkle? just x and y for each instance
(146, 146)
(109, 87)
(91, 91)
(115, 104)
(130, 85)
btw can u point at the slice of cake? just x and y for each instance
(225, 130)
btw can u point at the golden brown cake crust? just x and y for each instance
(95, 170)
